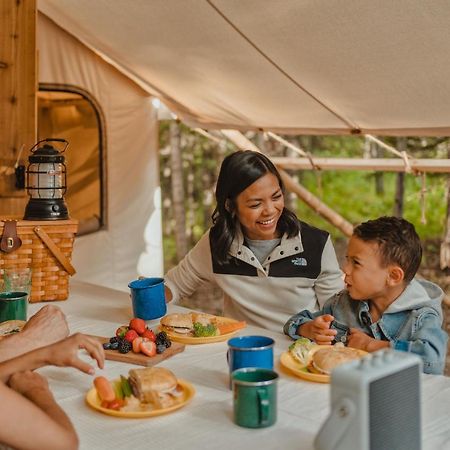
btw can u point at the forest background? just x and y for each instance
(190, 163)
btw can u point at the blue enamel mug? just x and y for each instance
(147, 298)
(250, 351)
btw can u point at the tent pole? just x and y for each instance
(372, 164)
(310, 199)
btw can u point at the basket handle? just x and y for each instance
(55, 250)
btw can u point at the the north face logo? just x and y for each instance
(299, 262)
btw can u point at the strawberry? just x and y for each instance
(148, 348)
(137, 325)
(130, 336)
(120, 332)
(149, 334)
(136, 345)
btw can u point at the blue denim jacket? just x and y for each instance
(413, 323)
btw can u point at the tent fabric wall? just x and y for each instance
(110, 257)
(290, 66)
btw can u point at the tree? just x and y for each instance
(179, 213)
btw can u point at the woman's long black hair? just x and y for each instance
(238, 171)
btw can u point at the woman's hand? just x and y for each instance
(318, 330)
(65, 352)
(167, 294)
(28, 383)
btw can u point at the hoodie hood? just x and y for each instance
(418, 294)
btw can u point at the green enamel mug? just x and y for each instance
(254, 397)
(13, 306)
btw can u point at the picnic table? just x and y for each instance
(206, 422)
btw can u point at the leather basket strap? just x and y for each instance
(55, 250)
(10, 241)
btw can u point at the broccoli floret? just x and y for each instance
(204, 330)
(300, 349)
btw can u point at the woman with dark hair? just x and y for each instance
(268, 263)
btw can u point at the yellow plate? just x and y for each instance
(203, 340)
(301, 371)
(93, 401)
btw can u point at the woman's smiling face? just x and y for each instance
(259, 207)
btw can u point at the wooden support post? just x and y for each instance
(18, 85)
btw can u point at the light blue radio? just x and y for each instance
(375, 404)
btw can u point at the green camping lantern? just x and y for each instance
(46, 182)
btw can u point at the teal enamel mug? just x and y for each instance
(13, 306)
(254, 397)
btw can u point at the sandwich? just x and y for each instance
(179, 323)
(324, 360)
(155, 386)
(200, 324)
(192, 324)
(11, 327)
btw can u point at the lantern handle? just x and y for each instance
(50, 140)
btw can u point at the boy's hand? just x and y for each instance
(362, 341)
(318, 330)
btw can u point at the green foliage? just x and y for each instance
(352, 195)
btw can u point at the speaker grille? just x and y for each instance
(394, 411)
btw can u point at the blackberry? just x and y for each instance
(114, 339)
(160, 348)
(163, 339)
(114, 345)
(124, 346)
(162, 335)
(106, 346)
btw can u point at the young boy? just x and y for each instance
(382, 305)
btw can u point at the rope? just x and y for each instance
(423, 192)
(297, 150)
(403, 155)
(208, 135)
(301, 152)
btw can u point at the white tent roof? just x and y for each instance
(292, 66)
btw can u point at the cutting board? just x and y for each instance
(139, 358)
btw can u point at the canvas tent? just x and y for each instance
(295, 66)
(289, 66)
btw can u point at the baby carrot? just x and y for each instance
(225, 328)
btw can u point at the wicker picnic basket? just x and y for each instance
(46, 248)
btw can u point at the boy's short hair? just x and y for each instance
(398, 242)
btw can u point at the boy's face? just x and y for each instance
(365, 277)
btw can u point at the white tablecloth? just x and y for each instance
(207, 421)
